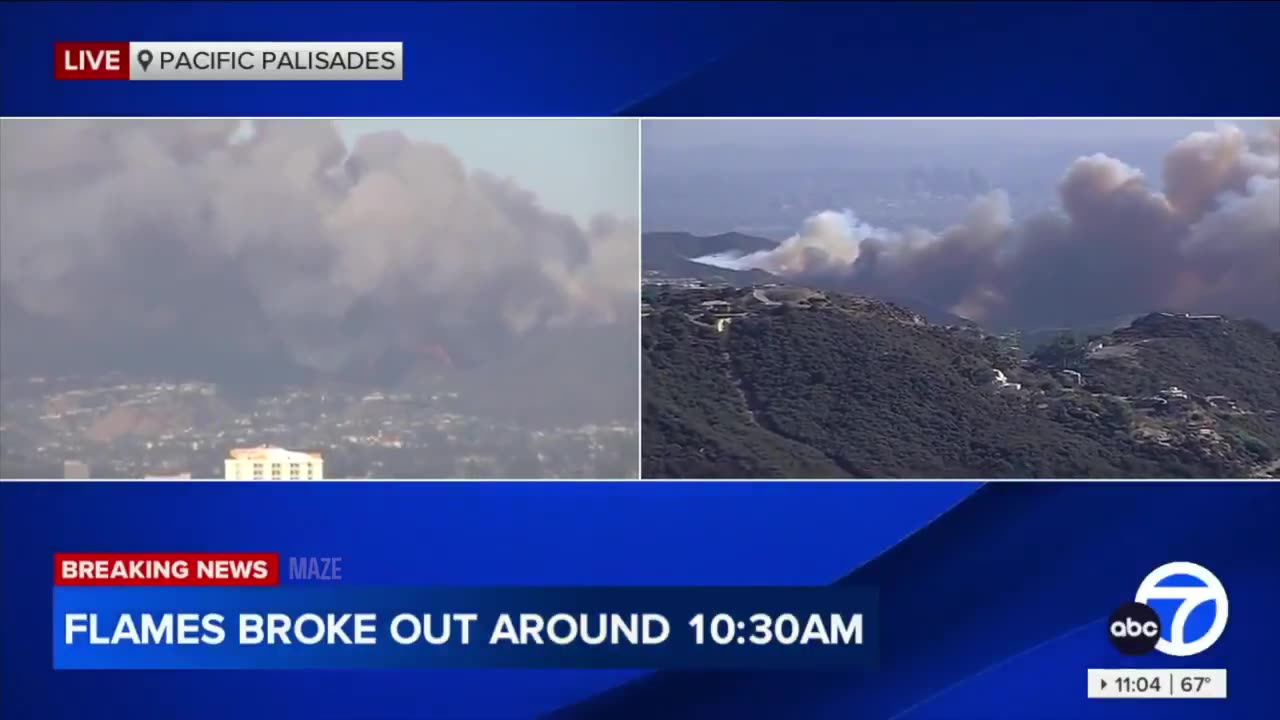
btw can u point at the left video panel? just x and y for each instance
(305, 299)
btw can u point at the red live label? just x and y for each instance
(91, 61)
(166, 569)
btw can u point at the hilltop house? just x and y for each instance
(1001, 382)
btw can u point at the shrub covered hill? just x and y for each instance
(771, 381)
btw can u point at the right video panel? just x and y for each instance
(961, 298)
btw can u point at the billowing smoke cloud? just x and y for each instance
(828, 239)
(1208, 240)
(182, 238)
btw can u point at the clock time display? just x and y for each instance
(780, 629)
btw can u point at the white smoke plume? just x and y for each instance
(1207, 240)
(828, 240)
(168, 234)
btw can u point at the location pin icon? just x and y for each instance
(144, 59)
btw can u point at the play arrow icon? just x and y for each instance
(1104, 684)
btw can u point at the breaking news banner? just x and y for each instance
(223, 611)
(228, 61)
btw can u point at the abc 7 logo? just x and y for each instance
(1134, 628)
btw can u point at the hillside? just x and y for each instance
(787, 382)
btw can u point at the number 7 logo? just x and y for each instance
(1210, 589)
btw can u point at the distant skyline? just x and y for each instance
(581, 167)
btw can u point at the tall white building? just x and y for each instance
(273, 463)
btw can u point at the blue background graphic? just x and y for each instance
(994, 600)
(686, 59)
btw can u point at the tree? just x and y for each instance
(1064, 353)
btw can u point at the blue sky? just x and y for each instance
(578, 167)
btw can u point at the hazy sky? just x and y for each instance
(922, 133)
(580, 167)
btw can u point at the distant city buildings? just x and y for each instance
(273, 463)
(75, 470)
(159, 429)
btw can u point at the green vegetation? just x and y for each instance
(696, 423)
(856, 388)
(1236, 358)
(1064, 352)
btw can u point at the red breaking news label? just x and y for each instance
(166, 569)
(91, 61)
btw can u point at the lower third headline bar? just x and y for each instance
(140, 628)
